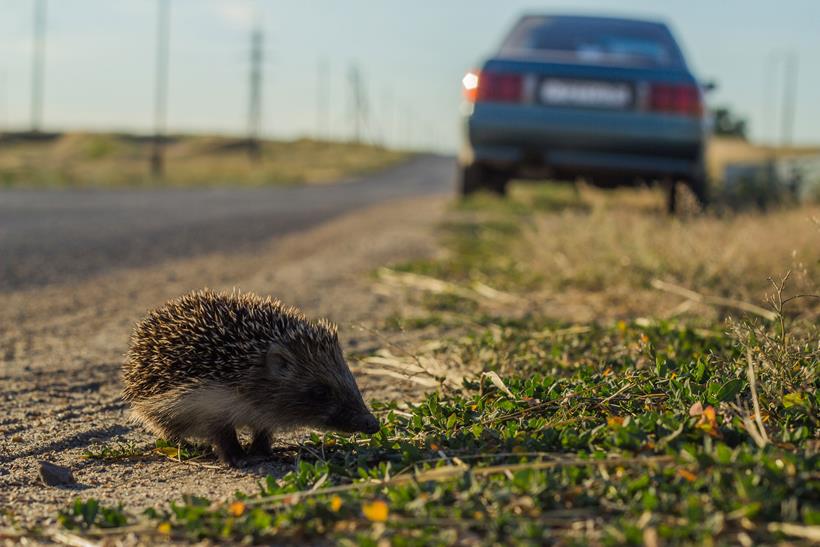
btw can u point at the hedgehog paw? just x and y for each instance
(260, 446)
(227, 446)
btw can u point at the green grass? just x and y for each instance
(701, 428)
(88, 160)
(602, 429)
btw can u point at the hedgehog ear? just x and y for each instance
(276, 358)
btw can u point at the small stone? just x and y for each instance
(55, 475)
(17, 439)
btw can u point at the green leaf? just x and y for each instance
(700, 371)
(723, 454)
(660, 366)
(793, 399)
(729, 390)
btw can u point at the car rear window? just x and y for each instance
(593, 40)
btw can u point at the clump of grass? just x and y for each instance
(117, 450)
(129, 450)
(84, 515)
(180, 451)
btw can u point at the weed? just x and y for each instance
(119, 450)
(88, 514)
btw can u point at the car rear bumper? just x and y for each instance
(583, 142)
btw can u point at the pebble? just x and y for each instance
(55, 475)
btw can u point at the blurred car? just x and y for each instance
(610, 100)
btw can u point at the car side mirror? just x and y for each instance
(709, 85)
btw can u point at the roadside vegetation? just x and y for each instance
(102, 160)
(631, 379)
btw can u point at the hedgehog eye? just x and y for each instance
(320, 392)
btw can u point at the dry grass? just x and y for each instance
(599, 256)
(106, 160)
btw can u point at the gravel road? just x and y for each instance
(78, 269)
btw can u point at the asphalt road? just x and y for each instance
(55, 236)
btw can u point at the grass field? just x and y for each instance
(111, 161)
(634, 379)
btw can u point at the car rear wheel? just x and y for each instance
(474, 178)
(700, 189)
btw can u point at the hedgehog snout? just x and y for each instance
(358, 422)
(366, 423)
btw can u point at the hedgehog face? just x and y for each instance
(316, 388)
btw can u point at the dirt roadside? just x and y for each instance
(61, 349)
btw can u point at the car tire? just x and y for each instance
(475, 177)
(700, 189)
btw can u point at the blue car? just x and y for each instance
(606, 99)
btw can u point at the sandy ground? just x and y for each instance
(61, 347)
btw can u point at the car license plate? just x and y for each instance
(586, 93)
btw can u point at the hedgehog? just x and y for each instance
(208, 363)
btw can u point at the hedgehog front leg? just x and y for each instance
(227, 446)
(260, 446)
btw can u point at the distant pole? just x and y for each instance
(355, 102)
(789, 97)
(411, 129)
(38, 65)
(322, 99)
(255, 93)
(161, 90)
(769, 97)
(387, 117)
(359, 109)
(4, 110)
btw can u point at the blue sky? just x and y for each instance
(100, 60)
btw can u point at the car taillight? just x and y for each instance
(683, 99)
(492, 87)
(469, 85)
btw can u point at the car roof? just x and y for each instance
(599, 18)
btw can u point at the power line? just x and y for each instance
(38, 65)
(161, 89)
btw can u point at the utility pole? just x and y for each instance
(789, 97)
(161, 90)
(359, 103)
(322, 100)
(4, 110)
(387, 117)
(38, 65)
(769, 98)
(255, 91)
